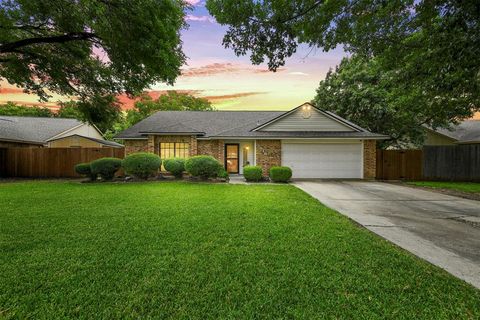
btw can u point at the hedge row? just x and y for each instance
(144, 165)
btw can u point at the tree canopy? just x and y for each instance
(90, 48)
(13, 109)
(358, 90)
(172, 101)
(430, 49)
(103, 112)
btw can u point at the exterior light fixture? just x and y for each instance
(306, 113)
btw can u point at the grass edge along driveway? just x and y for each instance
(205, 251)
(468, 187)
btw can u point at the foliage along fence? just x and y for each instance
(49, 162)
(399, 164)
(453, 163)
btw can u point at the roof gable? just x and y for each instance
(309, 118)
(101, 141)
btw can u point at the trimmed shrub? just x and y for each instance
(223, 174)
(142, 164)
(85, 170)
(280, 174)
(252, 173)
(202, 166)
(176, 166)
(105, 167)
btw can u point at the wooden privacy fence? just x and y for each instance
(399, 164)
(49, 162)
(459, 162)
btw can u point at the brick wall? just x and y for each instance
(369, 159)
(269, 153)
(214, 148)
(132, 146)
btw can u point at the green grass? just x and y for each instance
(205, 251)
(470, 187)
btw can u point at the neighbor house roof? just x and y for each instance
(103, 142)
(229, 124)
(36, 130)
(467, 131)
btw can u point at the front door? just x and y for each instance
(232, 158)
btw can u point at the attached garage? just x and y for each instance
(323, 160)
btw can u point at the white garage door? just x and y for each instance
(323, 160)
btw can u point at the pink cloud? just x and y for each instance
(219, 98)
(191, 17)
(220, 68)
(194, 2)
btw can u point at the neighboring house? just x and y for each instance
(35, 132)
(313, 142)
(466, 132)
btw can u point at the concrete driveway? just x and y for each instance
(441, 229)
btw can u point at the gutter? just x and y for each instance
(24, 141)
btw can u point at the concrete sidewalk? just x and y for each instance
(439, 228)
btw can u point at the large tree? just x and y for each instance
(171, 101)
(360, 91)
(104, 112)
(430, 47)
(90, 48)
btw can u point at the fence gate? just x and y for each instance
(399, 164)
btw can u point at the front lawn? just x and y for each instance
(470, 187)
(198, 251)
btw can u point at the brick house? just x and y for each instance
(313, 142)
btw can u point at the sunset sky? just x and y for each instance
(228, 81)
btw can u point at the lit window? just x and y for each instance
(174, 150)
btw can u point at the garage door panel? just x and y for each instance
(317, 160)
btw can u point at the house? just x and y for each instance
(313, 142)
(35, 132)
(466, 132)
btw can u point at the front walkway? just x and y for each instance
(439, 228)
(237, 179)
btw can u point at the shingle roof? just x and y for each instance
(216, 124)
(33, 129)
(467, 131)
